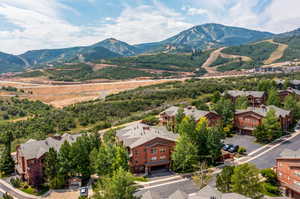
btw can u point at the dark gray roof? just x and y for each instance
(233, 196)
(150, 195)
(190, 111)
(237, 93)
(263, 110)
(292, 90)
(287, 153)
(35, 149)
(137, 134)
(178, 195)
(206, 193)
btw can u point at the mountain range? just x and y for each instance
(198, 37)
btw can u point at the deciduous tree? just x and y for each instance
(246, 181)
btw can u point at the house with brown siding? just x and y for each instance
(247, 120)
(169, 115)
(255, 98)
(288, 172)
(148, 147)
(30, 156)
(290, 91)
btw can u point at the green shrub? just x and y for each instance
(16, 182)
(270, 176)
(242, 150)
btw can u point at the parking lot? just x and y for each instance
(246, 141)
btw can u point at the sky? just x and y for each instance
(47, 24)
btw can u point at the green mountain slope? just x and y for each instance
(10, 63)
(88, 53)
(118, 47)
(207, 36)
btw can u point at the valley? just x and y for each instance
(63, 95)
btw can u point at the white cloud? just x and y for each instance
(196, 11)
(145, 24)
(42, 26)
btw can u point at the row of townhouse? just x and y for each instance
(149, 147)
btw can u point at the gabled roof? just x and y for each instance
(35, 149)
(207, 193)
(151, 195)
(190, 111)
(178, 195)
(137, 134)
(237, 93)
(263, 110)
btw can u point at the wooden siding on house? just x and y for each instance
(288, 174)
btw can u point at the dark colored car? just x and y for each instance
(233, 149)
(226, 147)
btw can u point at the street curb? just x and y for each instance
(18, 191)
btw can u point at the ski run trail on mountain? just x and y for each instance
(277, 54)
(214, 56)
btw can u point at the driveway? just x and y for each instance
(244, 141)
(268, 159)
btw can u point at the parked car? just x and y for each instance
(227, 146)
(233, 149)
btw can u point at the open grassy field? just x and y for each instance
(64, 95)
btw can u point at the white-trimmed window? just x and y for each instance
(162, 150)
(153, 158)
(163, 157)
(153, 151)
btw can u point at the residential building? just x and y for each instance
(247, 120)
(288, 172)
(290, 91)
(149, 147)
(30, 156)
(169, 115)
(255, 98)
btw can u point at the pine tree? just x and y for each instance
(273, 97)
(223, 182)
(7, 164)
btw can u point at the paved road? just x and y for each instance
(185, 185)
(267, 160)
(12, 192)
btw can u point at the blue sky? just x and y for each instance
(38, 24)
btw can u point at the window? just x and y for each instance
(163, 157)
(153, 151)
(297, 173)
(136, 152)
(162, 150)
(297, 183)
(154, 158)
